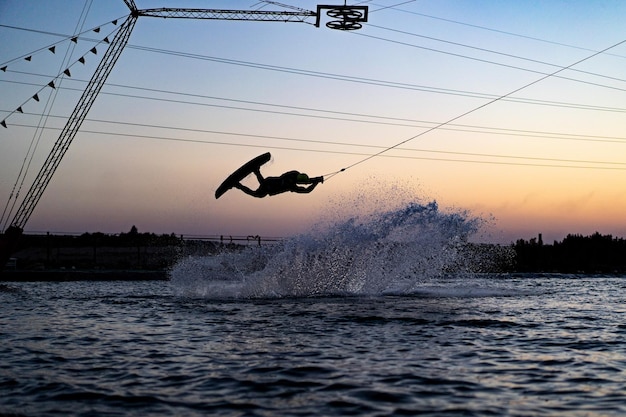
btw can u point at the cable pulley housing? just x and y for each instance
(348, 17)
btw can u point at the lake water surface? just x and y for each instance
(526, 345)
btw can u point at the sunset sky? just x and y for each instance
(501, 108)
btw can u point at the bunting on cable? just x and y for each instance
(74, 39)
(51, 84)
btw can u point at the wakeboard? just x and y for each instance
(245, 170)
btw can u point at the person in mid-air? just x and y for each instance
(276, 185)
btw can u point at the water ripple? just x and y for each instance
(83, 349)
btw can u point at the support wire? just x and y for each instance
(475, 109)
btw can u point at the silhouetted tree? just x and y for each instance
(575, 254)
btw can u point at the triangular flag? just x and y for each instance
(67, 72)
(36, 97)
(51, 49)
(94, 51)
(114, 22)
(19, 109)
(97, 30)
(28, 58)
(4, 69)
(3, 123)
(75, 39)
(81, 60)
(51, 84)
(106, 40)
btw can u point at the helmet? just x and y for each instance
(302, 179)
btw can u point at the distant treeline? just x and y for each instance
(132, 238)
(575, 254)
(132, 250)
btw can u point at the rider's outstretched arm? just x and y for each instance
(306, 190)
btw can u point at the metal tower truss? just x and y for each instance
(74, 122)
(212, 14)
(347, 17)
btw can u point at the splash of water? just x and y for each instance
(389, 252)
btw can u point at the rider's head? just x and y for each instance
(302, 179)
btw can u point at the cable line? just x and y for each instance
(334, 143)
(451, 127)
(607, 165)
(363, 80)
(536, 61)
(352, 78)
(382, 83)
(474, 109)
(532, 38)
(495, 63)
(374, 81)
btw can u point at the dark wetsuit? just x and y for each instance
(278, 185)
